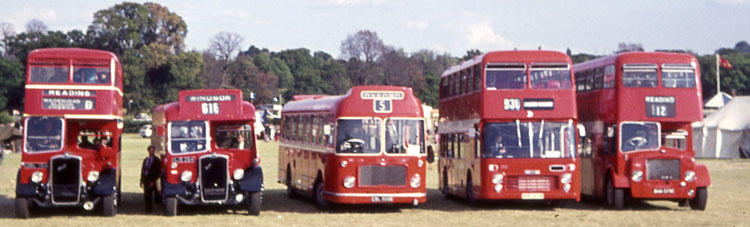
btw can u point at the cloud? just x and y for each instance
(482, 34)
(418, 25)
(730, 1)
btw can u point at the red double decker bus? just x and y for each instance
(209, 156)
(508, 128)
(72, 129)
(638, 108)
(366, 146)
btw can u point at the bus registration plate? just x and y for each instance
(382, 199)
(532, 196)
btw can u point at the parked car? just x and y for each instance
(146, 131)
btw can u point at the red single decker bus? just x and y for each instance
(638, 108)
(366, 146)
(507, 128)
(72, 129)
(209, 156)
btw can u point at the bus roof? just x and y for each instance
(511, 56)
(209, 104)
(39, 55)
(359, 101)
(637, 57)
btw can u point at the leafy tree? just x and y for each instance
(11, 84)
(470, 54)
(742, 46)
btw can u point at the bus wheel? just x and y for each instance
(22, 207)
(469, 193)
(109, 206)
(289, 189)
(171, 206)
(615, 196)
(700, 200)
(321, 202)
(445, 184)
(253, 207)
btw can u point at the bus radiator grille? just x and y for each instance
(532, 183)
(66, 179)
(213, 173)
(373, 175)
(663, 169)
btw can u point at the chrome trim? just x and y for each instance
(200, 177)
(396, 195)
(51, 177)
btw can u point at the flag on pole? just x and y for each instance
(725, 63)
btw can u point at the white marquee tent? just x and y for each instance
(725, 133)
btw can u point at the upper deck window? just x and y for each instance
(404, 136)
(49, 73)
(358, 136)
(187, 136)
(639, 75)
(506, 76)
(550, 76)
(677, 76)
(91, 75)
(637, 136)
(44, 134)
(234, 137)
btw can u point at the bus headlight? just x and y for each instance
(689, 176)
(37, 176)
(415, 181)
(566, 178)
(497, 178)
(349, 181)
(186, 176)
(498, 188)
(238, 174)
(566, 187)
(93, 176)
(637, 176)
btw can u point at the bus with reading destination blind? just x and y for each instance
(364, 147)
(71, 134)
(638, 108)
(208, 151)
(508, 128)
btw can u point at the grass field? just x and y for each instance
(728, 205)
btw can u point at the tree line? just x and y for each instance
(149, 41)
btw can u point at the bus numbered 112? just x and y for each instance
(71, 134)
(209, 155)
(507, 128)
(364, 147)
(638, 108)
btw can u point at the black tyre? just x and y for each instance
(445, 190)
(700, 200)
(253, 208)
(22, 208)
(109, 206)
(615, 196)
(171, 206)
(470, 193)
(320, 201)
(289, 188)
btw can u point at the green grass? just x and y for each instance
(727, 205)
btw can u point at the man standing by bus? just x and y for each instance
(150, 171)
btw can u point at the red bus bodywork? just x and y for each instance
(610, 105)
(473, 108)
(77, 93)
(315, 158)
(198, 167)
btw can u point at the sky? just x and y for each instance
(444, 26)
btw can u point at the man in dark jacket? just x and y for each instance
(150, 171)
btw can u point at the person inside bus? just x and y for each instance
(85, 143)
(498, 147)
(150, 171)
(102, 78)
(240, 143)
(51, 135)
